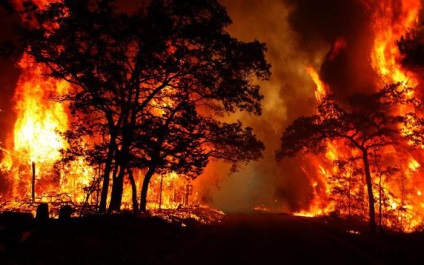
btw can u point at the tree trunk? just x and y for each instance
(122, 159)
(33, 182)
(145, 187)
(134, 191)
(160, 193)
(380, 204)
(349, 199)
(117, 191)
(369, 189)
(106, 176)
(122, 162)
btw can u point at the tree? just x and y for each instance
(156, 78)
(411, 47)
(364, 123)
(347, 189)
(184, 143)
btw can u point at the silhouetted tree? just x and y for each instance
(182, 141)
(155, 78)
(365, 122)
(347, 191)
(411, 46)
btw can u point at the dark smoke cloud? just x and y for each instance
(288, 95)
(298, 33)
(330, 20)
(325, 20)
(9, 71)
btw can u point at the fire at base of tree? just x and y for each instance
(122, 110)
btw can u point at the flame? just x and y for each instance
(35, 144)
(320, 86)
(403, 206)
(38, 116)
(389, 26)
(321, 191)
(414, 165)
(36, 140)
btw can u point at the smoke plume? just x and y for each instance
(333, 37)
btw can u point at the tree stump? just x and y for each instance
(42, 212)
(65, 212)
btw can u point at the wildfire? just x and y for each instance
(414, 165)
(38, 116)
(319, 205)
(320, 87)
(390, 25)
(403, 205)
(36, 142)
(30, 161)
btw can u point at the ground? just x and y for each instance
(236, 238)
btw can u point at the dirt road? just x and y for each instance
(250, 238)
(268, 239)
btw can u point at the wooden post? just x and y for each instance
(33, 181)
(189, 190)
(160, 193)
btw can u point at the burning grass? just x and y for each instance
(201, 214)
(183, 215)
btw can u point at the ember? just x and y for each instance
(201, 214)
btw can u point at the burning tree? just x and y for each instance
(365, 124)
(148, 85)
(346, 188)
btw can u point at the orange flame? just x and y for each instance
(320, 87)
(35, 140)
(389, 26)
(404, 202)
(38, 116)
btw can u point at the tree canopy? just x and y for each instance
(151, 88)
(364, 122)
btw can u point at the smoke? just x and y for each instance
(288, 94)
(9, 73)
(332, 36)
(346, 70)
